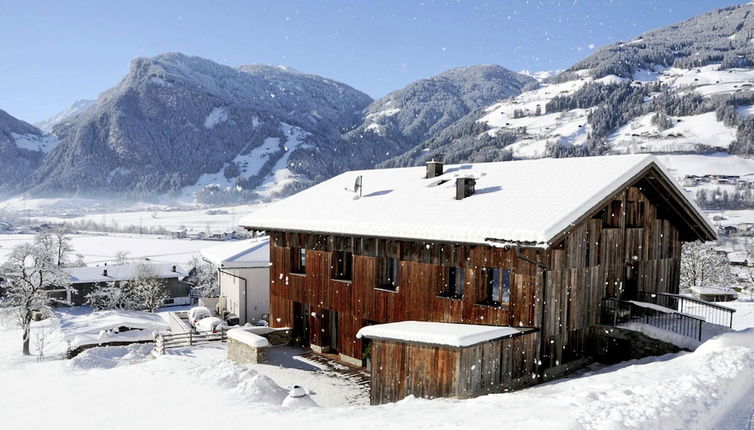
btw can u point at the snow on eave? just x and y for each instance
(121, 272)
(236, 254)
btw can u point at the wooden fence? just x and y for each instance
(163, 342)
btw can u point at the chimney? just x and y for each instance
(174, 269)
(434, 168)
(104, 272)
(464, 187)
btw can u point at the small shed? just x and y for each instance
(715, 293)
(432, 359)
(739, 259)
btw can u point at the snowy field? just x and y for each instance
(214, 220)
(126, 388)
(100, 248)
(121, 214)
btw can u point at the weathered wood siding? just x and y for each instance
(421, 280)
(591, 263)
(400, 369)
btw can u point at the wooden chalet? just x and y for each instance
(534, 245)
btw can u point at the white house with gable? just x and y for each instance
(244, 276)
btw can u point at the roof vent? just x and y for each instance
(464, 187)
(434, 168)
(174, 269)
(104, 272)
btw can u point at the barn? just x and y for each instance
(533, 245)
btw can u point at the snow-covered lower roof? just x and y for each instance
(248, 337)
(714, 289)
(122, 272)
(738, 257)
(528, 201)
(438, 333)
(102, 327)
(242, 253)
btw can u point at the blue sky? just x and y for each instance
(56, 52)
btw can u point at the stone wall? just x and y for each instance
(241, 353)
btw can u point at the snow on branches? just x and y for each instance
(30, 272)
(702, 267)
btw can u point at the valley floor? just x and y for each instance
(126, 388)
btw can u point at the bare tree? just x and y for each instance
(62, 245)
(121, 257)
(204, 277)
(30, 270)
(702, 267)
(57, 242)
(78, 262)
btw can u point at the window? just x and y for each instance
(298, 260)
(612, 214)
(455, 283)
(389, 274)
(342, 262)
(497, 286)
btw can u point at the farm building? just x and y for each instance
(85, 279)
(535, 246)
(244, 276)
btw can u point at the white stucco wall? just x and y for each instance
(257, 292)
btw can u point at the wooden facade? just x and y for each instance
(627, 243)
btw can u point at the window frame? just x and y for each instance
(298, 261)
(455, 283)
(388, 281)
(342, 266)
(503, 277)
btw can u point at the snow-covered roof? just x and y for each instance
(714, 289)
(102, 327)
(242, 253)
(528, 201)
(738, 257)
(122, 272)
(438, 333)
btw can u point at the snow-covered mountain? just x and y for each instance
(69, 114)
(685, 88)
(175, 118)
(187, 125)
(423, 109)
(181, 124)
(22, 147)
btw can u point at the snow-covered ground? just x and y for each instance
(214, 220)
(687, 134)
(126, 387)
(97, 249)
